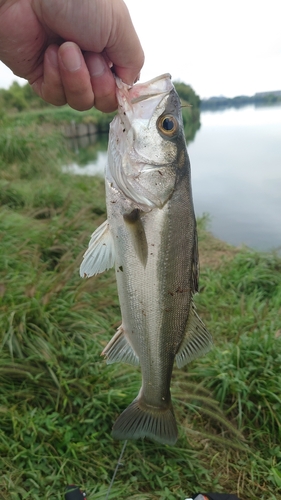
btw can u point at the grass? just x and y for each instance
(58, 399)
(57, 116)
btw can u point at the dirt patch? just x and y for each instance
(213, 252)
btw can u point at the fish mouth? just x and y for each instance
(146, 96)
(165, 77)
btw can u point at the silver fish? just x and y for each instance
(150, 236)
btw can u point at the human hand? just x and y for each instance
(65, 48)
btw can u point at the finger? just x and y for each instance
(49, 86)
(103, 82)
(127, 63)
(75, 77)
(113, 31)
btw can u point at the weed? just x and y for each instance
(58, 399)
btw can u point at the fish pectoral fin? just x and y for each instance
(100, 254)
(120, 350)
(136, 230)
(196, 342)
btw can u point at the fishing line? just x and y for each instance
(116, 469)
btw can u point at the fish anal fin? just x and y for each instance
(135, 227)
(120, 350)
(196, 342)
(140, 421)
(100, 254)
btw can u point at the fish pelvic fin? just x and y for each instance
(100, 254)
(120, 350)
(196, 342)
(140, 420)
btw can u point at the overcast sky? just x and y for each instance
(219, 47)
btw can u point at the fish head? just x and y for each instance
(147, 147)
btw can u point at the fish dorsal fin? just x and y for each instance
(100, 254)
(196, 342)
(195, 265)
(119, 350)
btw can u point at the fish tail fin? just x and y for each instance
(140, 420)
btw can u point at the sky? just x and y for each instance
(219, 47)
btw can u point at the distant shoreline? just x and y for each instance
(259, 99)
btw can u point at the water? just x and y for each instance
(91, 168)
(236, 174)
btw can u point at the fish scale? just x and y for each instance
(150, 236)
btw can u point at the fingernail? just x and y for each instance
(96, 65)
(71, 58)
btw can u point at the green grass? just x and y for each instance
(58, 399)
(57, 116)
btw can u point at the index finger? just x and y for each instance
(124, 48)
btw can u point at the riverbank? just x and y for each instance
(59, 399)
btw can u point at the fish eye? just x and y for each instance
(168, 125)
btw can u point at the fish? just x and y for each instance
(150, 237)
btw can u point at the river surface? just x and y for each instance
(236, 174)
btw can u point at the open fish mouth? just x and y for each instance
(143, 97)
(164, 76)
(146, 96)
(161, 85)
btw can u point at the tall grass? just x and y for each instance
(58, 399)
(58, 116)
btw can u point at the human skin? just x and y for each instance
(67, 49)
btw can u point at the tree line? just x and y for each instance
(21, 98)
(258, 99)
